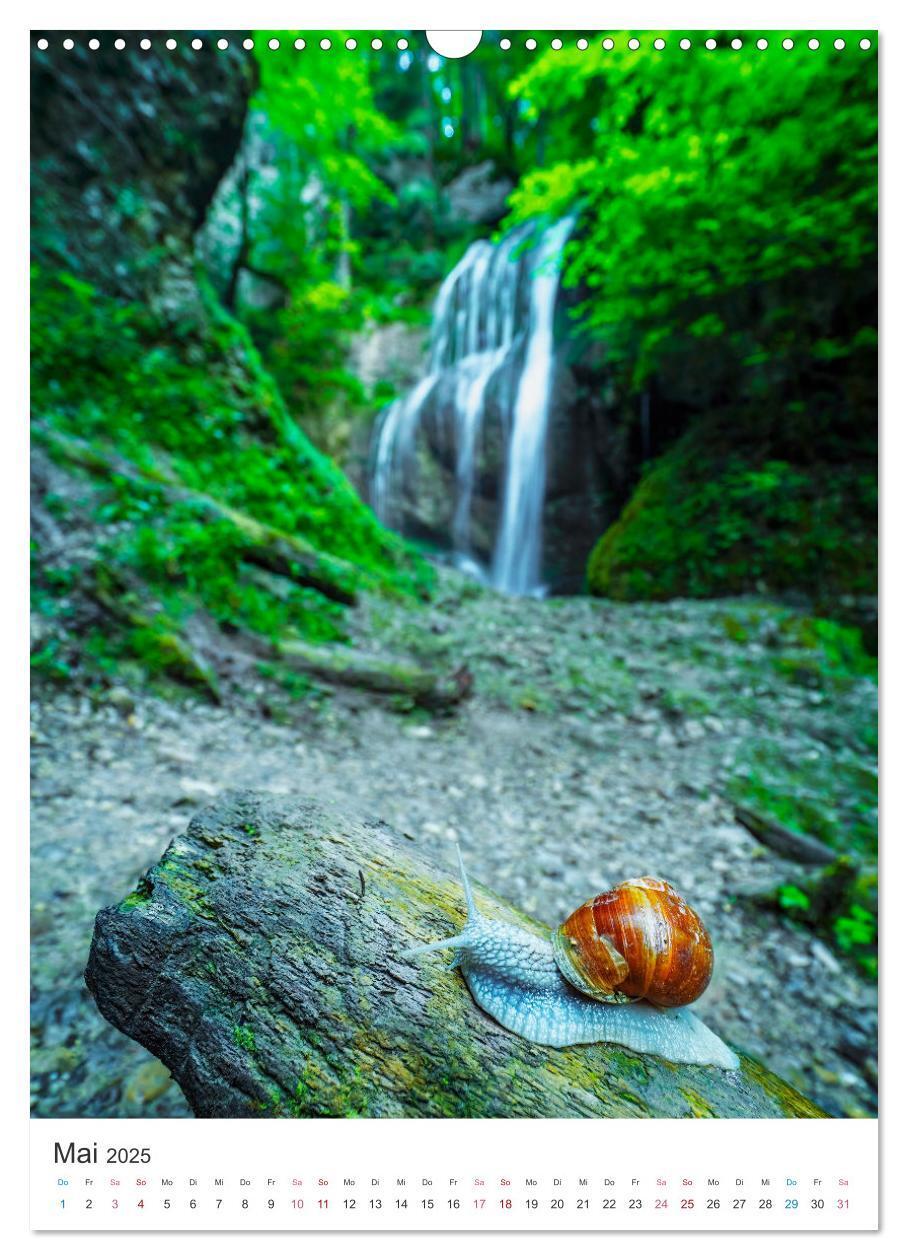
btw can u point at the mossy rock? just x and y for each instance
(705, 521)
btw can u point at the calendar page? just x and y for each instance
(454, 629)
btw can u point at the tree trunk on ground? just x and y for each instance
(125, 601)
(336, 663)
(789, 844)
(261, 960)
(265, 546)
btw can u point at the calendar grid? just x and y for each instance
(493, 1175)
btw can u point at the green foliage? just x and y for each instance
(192, 397)
(793, 898)
(855, 929)
(842, 908)
(703, 524)
(705, 175)
(831, 791)
(357, 229)
(842, 647)
(832, 796)
(203, 559)
(725, 262)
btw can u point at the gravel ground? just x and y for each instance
(599, 743)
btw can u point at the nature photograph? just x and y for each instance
(454, 575)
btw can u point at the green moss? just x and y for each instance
(138, 897)
(244, 1037)
(791, 1104)
(188, 396)
(839, 903)
(833, 797)
(184, 886)
(705, 520)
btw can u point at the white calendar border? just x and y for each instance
(13, 504)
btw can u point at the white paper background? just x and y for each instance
(466, 14)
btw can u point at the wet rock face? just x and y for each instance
(128, 147)
(499, 435)
(261, 959)
(576, 503)
(477, 195)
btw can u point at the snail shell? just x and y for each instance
(640, 940)
(516, 977)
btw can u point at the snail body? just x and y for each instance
(527, 983)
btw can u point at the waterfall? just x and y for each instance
(491, 353)
(519, 547)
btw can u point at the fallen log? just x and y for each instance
(824, 894)
(262, 960)
(123, 599)
(270, 548)
(787, 843)
(337, 663)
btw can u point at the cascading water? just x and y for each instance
(519, 547)
(492, 349)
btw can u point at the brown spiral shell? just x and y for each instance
(640, 940)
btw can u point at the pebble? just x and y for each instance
(826, 957)
(147, 1083)
(121, 700)
(195, 790)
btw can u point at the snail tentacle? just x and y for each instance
(514, 977)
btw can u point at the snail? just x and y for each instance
(622, 968)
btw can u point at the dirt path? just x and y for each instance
(599, 744)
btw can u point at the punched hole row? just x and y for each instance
(222, 43)
(402, 44)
